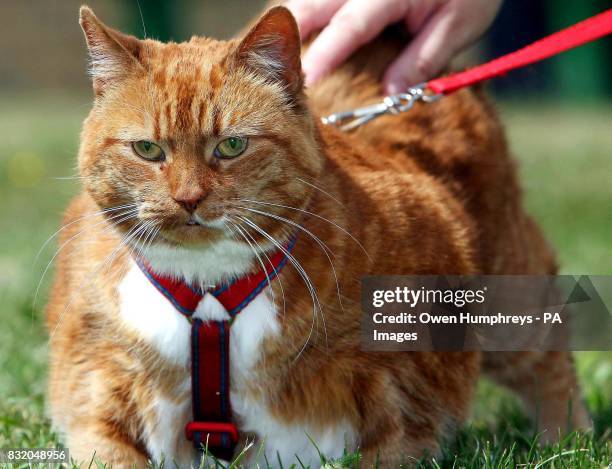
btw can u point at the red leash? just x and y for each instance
(586, 31)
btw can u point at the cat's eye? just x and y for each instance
(148, 150)
(231, 147)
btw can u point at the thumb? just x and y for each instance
(427, 54)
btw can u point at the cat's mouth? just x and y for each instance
(194, 222)
(192, 230)
(198, 222)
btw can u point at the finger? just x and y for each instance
(311, 15)
(355, 23)
(449, 30)
(429, 52)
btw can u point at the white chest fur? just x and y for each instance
(145, 310)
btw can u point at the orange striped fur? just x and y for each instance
(426, 192)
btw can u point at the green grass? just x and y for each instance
(566, 166)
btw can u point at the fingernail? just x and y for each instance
(310, 79)
(310, 72)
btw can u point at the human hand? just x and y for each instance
(440, 28)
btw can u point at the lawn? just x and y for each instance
(566, 166)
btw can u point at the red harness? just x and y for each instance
(212, 428)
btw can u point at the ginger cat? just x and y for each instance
(203, 157)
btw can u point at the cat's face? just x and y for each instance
(195, 136)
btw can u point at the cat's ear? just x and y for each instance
(272, 48)
(113, 54)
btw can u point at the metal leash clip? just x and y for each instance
(393, 104)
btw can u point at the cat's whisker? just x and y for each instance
(326, 250)
(309, 285)
(123, 243)
(344, 230)
(244, 232)
(112, 226)
(126, 216)
(131, 248)
(89, 215)
(241, 232)
(323, 246)
(280, 283)
(307, 282)
(140, 239)
(154, 231)
(144, 28)
(110, 258)
(321, 190)
(136, 229)
(67, 178)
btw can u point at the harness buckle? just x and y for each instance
(214, 429)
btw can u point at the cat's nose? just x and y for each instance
(190, 201)
(190, 205)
